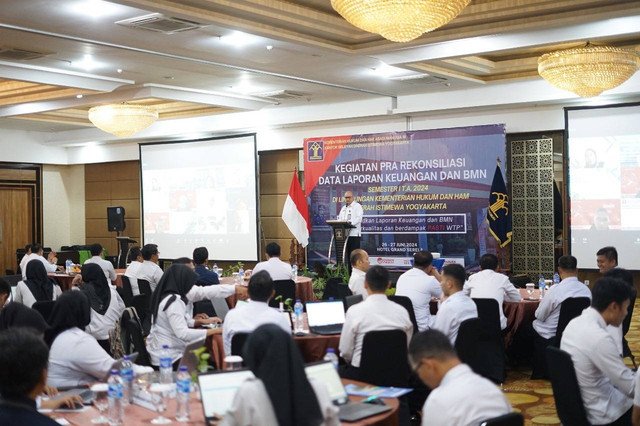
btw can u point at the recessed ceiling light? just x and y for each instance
(269, 47)
(169, 77)
(239, 39)
(79, 96)
(119, 70)
(87, 63)
(94, 8)
(388, 71)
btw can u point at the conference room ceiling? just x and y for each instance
(253, 54)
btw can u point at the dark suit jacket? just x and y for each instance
(21, 412)
(205, 276)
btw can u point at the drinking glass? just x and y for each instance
(162, 390)
(100, 401)
(530, 287)
(233, 362)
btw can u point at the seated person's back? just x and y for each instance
(201, 259)
(359, 261)
(277, 269)
(105, 265)
(106, 304)
(37, 287)
(257, 312)
(457, 307)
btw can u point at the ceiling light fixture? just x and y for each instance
(269, 47)
(588, 71)
(389, 71)
(238, 39)
(95, 8)
(123, 120)
(79, 96)
(119, 70)
(399, 20)
(87, 63)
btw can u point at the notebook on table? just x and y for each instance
(325, 317)
(325, 372)
(217, 390)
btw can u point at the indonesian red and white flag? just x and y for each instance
(295, 213)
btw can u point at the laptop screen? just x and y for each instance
(326, 373)
(325, 313)
(218, 390)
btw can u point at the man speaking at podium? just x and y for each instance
(352, 213)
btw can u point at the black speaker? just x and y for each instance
(115, 218)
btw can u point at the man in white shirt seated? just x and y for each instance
(107, 267)
(606, 384)
(277, 269)
(24, 260)
(149, 270)
(37, 253)
(420, 284)
(459, 396)
(245, 319)
(456, 306)
(374, 314)
(607, 260)
(135, 263)
(360, 265)
(489, 284)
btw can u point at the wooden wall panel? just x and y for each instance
(112, 184)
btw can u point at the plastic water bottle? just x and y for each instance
(556, 278)
(297, 311)
(184, 389)
(294, 271)
(215, 268)
(68, 266)
(166, 365)
(115, 412)
(126, 374)
(541, 286)
(331, 356)
(240, 275)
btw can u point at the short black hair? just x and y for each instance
(95, 249)
(422, 259)
(36, 248)
(377, 278)
(568, 263)
(431, 344)
(134, 252)
(607, 290)
(260, 286)
(5, 287)
(489, 261)
(24, 356)
(621, 274)
(456, 273)
(149, 250)
(609, 252)
(182, 261)
(356, 256)
(273, 249)
(200, 255)
(28, 247)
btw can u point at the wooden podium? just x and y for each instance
(339, 238)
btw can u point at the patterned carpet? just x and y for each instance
(534, 398)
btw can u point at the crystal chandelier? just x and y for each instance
(123, 120)
(590, 70)
(399, 20)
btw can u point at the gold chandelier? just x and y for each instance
(590, 70)
(399, 20)
(123, 120)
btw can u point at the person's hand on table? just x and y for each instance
(201, 321)
(77, 280)
(200, 316)
(69, 401)
(50, 391)
(242, 292)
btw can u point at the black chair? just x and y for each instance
(204, 307)
(336, 289)
(284, 288)
(237, 343)
(134, 335)
(489, 312)
(511, 419)
(349, 301)
(144, 287)
(384, 360)
(481, 349)
(45, 308)
(9, 272)
(13, 280)
(142, 304)
(127, 292)
(566, 390)
(408, 305)
(626, 350)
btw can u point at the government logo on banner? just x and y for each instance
(315, 151)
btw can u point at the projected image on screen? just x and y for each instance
(604, 183)
(201, 194)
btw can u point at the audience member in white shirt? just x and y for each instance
(171, 316)
(456, 306)
(149, 270)
(25, 258)
(277, 269)
(489, 284)
(107, 267)
(5, 293)
(245, 319)
(374, 314)
(420, 284)
(459, 397)
(75, 357)
(106, 304)
(37, 253)
(360, 265)
(607, 261)
(37, 287)
(606, 384)
(352, 212)
(132, 271)
(280, 394)
(636, 402)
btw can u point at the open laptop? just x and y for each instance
(217, 390)
(220, 306)
(325, 317)
(189, 359)
(325, 372)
